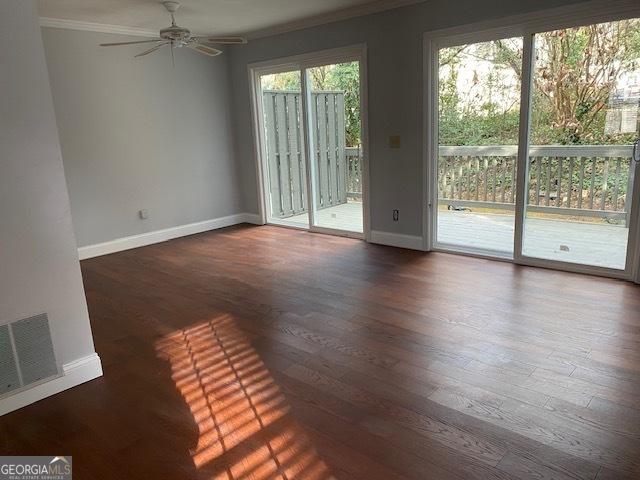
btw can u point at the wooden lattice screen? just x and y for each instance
(286, 153)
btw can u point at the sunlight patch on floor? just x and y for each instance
(242, 416)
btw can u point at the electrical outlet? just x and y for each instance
(143, 214)
(396, 214)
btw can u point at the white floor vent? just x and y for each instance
(26, 353)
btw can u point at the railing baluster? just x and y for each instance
(559, 191)
(453, 177)
(486, 178)
(494, 174)
(447, 180)
(468, 186)
(503, 182)
(359, 162)
(460, 186)
(581, 181)
(442, 177)
(513, 179)
(570, 186)
(605, 184)
(538, 179)
(593, 182)
(616, 186)
(477, 173)
(548, 192)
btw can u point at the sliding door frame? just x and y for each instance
(432, 45)
(301, 63)
(525, 26)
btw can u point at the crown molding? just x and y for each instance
(344, 14)
(96, 27)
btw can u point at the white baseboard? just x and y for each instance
(157, 236)
(253, 218)
(412, 242)
(73, 373)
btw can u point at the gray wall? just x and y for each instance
(39, 268)
(394, 43)
(139, 134)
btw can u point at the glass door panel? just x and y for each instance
(285, 169)
(584, 119)
(478, 120)
(335, 140)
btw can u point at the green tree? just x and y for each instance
(486, 111)
(346, 78)
(576, 72)
(282, 81)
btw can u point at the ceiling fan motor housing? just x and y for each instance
(175, 33)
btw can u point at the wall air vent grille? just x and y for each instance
(26, 353)
(32, 339)
(9, 378)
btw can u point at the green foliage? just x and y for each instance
(479, 130)
(479, 115)
(575, 74)
(281, 81)
(346, 77)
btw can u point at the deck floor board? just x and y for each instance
(599, 244)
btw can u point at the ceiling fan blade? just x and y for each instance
(152, 49)
(223, 40)
(129, 43)
(212, 52)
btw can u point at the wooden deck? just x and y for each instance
(347, 216)
(600, 244)
(226, 358)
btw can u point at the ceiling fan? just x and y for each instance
(177, 37)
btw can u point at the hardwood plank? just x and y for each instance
(557, 436)
(522, 467)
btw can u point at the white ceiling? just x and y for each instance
(221, 17)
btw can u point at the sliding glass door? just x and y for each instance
(532, 145)
(478, 112)
(285, 158)
(336, 145)
(585, 96)
(309, 129)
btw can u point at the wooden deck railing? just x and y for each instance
(354, 172)
(590, 180)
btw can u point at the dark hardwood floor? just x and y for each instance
(263, 352)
